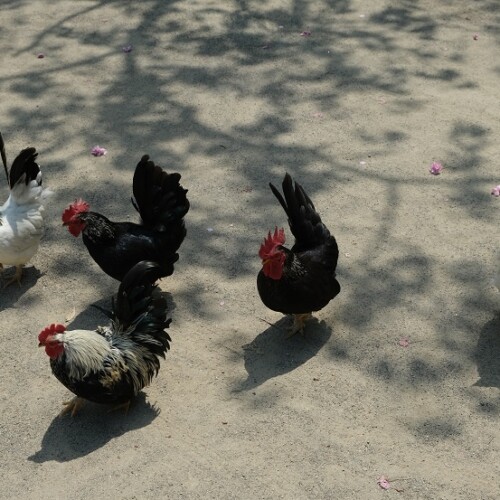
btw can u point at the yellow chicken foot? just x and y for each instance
(299, 322)
(16, 277)
(125, 406)
(72, 406)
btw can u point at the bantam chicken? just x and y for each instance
(301, 280)
(112, 364)
(21, 216)
(117, 246)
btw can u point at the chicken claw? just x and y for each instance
(299, 322)
(72, 406)
(125, 406)
(16, 277)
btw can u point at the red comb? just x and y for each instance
(74, 208)
(272, 241)
(50, 330)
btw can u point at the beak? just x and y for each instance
(40, 344)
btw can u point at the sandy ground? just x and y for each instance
(229, 94)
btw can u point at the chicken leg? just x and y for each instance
(123, 406)
(16, 277)
(299, 322)
(72, 406)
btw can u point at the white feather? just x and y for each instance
(21, 219)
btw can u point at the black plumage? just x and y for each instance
(162, 204)
(308, 282)
(114, 363)
(24, 168)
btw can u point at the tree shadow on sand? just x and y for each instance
(69, 438)
(487, 354)
(271, 354)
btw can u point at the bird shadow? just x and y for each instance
(11, 294)
(487, 354)
(68, 438)
(271, 354)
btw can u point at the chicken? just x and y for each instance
(21, 216)
(301, 280)
(117, 246)
(112, 364)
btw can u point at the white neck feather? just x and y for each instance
(85, 351)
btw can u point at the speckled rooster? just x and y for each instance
(112, 364)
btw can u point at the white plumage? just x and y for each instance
(21, 216)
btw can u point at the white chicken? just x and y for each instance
(21, 216)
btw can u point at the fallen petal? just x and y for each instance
(383, 482)
(127, 48)
(475, 36)
(98, 151)
(496, 191)
(41, 55)
(404, 342)
(306, 33)
(436, 168)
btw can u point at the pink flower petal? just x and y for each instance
(306, 33)
(127, 49)
(436, 168)
(98, 151)
(475, 36)
(383, 482)
(404, 342)
(41, 55)
(496, 191)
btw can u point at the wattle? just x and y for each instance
(273, 269)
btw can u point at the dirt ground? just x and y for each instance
(231, 95)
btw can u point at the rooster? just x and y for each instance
(302, 279)
(117, 246)
(21, 216)
(112, 364)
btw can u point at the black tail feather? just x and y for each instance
(24, 164)
(4, 157)
(159, 198)
(305, 223)
(135, 307)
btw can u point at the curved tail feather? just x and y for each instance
(4, 157)
(305, 223)
(25, 169)
(140, 315)
(159, 198)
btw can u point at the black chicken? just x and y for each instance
(301, 280)
(112, 364)
(117, 246)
